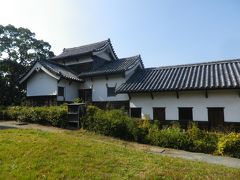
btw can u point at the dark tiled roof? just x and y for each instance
(59, 69)
(69, 52)
(212, 75)
(116, 66)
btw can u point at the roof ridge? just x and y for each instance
(110, 43)
(197, 64)
(130, 57)
(91, 44)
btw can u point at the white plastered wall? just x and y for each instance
(228, 99)
(41, 84)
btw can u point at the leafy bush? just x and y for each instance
(202, 141)
(171, 137)
(229, 145)
(115, 123)
(140, 130)
(54, 115)
(111, 122)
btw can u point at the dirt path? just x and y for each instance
(14, 124)
(225, 161)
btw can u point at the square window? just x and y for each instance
(185, 113)
(111, 91)
(136, 112)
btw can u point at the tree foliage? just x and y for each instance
(18, 50)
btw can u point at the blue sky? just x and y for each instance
(164, 32)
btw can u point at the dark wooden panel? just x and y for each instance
(85, 95)
(215, 117)
(159, 113)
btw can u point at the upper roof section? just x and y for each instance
(99, 64)
(113, 67)
(211, 75)
(86, 49)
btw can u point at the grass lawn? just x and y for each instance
(31, 154)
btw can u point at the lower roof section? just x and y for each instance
(211, 75)
(52, 68)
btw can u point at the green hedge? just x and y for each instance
(192, 139)
(54, 115)
(117, 123)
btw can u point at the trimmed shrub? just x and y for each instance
(110, 122)
(171, 137)
(54, 115)
(115, 123)
(229, 145)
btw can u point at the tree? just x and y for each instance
(18, 50)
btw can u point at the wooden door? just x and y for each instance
(159, 113)
(215, 117)
(85, 95)
(81, 94)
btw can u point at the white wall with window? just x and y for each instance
(103, 88)
(196, 100)
(69, 90)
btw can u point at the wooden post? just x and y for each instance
(206, 93)
(177, 94)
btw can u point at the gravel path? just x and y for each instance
(225, 161)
